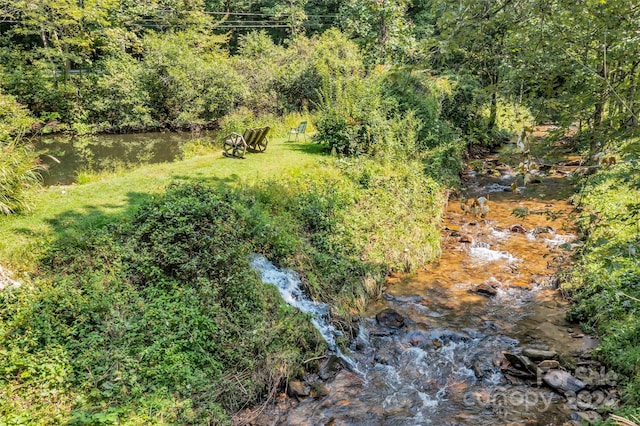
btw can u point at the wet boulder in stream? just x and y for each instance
(518, 229)
(522, 364)
(539, 354)
(319, 390)
(390, 318)
(298, 389)
(483, 365)
(486, 289)
(563, 381)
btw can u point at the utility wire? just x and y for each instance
(157, 22)
(266, 14)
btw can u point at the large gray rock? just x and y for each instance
(563, 381)
(523, 364)
(539, 354)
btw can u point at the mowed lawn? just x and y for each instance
(65, 210)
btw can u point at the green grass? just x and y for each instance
(76, 208)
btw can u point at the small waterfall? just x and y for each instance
(290, 287)
(482, 253)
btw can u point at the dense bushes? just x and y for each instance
(606, 282)
(357, 118)
(160, 316)
(180, 79)
(116, 98)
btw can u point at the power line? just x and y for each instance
(231, 27)
(278, 22)
(266, 14)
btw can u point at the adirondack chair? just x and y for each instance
(300, 130)
(260, 141)
(254, 140)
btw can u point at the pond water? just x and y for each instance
(106, 152)
(493, 291)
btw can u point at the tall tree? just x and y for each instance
(380, 27)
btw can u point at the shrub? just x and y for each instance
(15, 119)
(463, 107)
(356, 117)
(189, 78)
(159, 316)
(444, 163)
(33, 85)
(422, 95)
(115, 98)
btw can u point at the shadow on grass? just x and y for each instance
(307, 148)
(202, 177)
(73, 224)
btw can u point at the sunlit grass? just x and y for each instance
(104, 196)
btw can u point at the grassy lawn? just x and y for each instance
(60, 210)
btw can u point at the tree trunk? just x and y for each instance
(493, 112)
(493, 109)
(598, 113)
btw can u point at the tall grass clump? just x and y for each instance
(19, 175)
(19, 166)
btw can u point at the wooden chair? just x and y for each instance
(300, 130)
(254, 140)
(260, 141)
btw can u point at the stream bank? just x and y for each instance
(478, 337)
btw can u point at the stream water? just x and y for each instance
(492, 291)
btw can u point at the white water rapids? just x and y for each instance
(289, 285)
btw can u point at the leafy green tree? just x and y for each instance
(379, 26)
(472, 37)
(65, 31)
(580, 61)
(115, 98)
(189, 78)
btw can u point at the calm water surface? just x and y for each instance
(107, 152)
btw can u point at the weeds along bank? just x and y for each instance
(605, 284)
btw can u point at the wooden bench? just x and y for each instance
(252, 140)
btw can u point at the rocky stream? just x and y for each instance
(477, 338)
